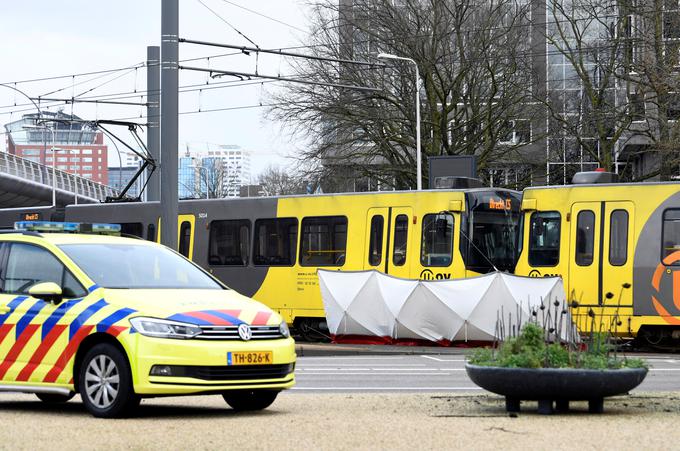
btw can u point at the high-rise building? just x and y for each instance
(78, 147)
(220, 170)
(120, 176)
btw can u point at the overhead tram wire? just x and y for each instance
(212, 110)
(129, 95)
(249, 76)
(226, 22)
(246, 50)
(198, 87)
(81, 74)
(265, 16)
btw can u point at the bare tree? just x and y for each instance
(276, 181)
(474, 69)
(587, 104)
(654, 68)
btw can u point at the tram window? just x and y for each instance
(400, 240)
(228, 243)
(618, 238)
(671, 234)
(437, 242)
(585, 238)
(544, 238)
(275, 242)
(151, 232)
(184, 238)
(376, 240)
(491, 240)
(324, 241)
(132, 228)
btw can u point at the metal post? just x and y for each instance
(153, 113)
(169, 121)
(54, 172)
(419, 180)
(419, 169)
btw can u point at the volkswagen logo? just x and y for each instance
(244, 332)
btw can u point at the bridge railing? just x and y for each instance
(39, 173)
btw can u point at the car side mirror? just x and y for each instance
(47, 291)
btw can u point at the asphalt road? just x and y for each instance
(430, 373)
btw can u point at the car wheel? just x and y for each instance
(105, 382)
(53, 398)
(250, 400)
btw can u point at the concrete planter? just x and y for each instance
(559, 385)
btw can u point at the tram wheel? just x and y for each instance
(308, 331)
(653, 336)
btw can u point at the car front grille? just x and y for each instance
(231, 333)
(232, 372)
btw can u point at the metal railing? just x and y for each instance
(39, 173)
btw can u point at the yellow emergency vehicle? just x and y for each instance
(119, 319)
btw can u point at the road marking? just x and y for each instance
(379, 369)
(387, 388)
(441, 360)
(372, 374)
(351, 358)
(664, 369)
(335, 365)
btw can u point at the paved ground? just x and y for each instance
(344, 422)
(361, 400)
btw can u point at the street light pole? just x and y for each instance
(419, 181)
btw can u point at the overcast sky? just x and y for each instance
(44, 38)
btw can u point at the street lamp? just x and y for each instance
(419, 181)
(207, 188)
(54, 159)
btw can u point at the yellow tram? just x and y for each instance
(270, 248)
(617, 248)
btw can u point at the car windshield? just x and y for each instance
(137, 266)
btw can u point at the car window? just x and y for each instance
(137, 266)
(28, 265)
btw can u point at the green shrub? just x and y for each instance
(531, 349)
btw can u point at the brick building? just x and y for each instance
(79, 147)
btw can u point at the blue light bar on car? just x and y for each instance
(68, 227)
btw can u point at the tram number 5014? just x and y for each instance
(427, 274)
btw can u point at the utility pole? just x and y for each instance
(169, 121)
(153, 114)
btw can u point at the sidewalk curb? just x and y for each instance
(330, 349)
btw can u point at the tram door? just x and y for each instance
(388, 231)
(584, 253)
(185, 235)
(376, 237)
(601, 234)
(617, 258)
(399, 236)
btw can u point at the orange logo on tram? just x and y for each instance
(656, 283)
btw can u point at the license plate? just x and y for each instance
(250, 358)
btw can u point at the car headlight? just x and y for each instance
(283, 329)
(161, 328)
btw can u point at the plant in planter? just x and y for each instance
(543, 361)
